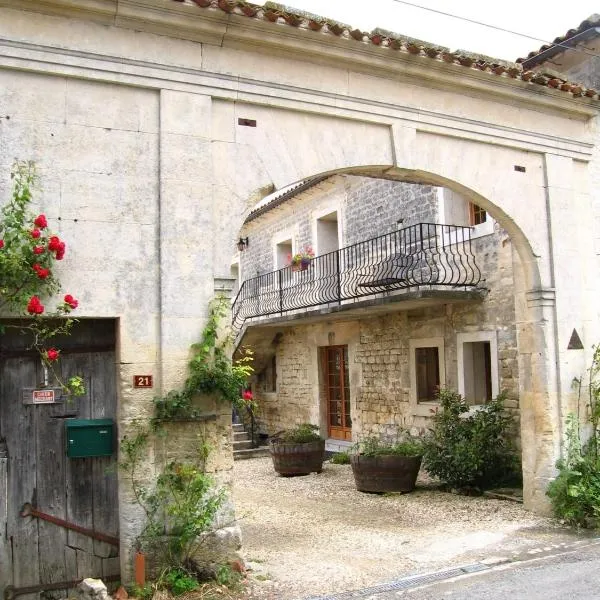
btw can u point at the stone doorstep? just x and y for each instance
(251, 453)
(242, 445)
(333, 445)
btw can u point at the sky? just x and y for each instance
(543, 20)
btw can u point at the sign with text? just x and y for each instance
(43, 396)
(142, 381)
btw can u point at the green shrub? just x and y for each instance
(575, 493)
(373, 446)
(340, 458)
(469, 451)
(178, 581)
(306, 432)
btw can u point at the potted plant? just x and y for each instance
(301, 260)
(387, 467)
(298, 451)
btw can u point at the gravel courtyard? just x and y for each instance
(315, 535)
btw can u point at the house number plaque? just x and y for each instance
(142, 381)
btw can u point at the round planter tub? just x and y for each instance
(385, 473)
(298, 459)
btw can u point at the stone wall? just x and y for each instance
(367, 207)
(379, 355)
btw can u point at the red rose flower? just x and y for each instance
(38, 249)
(1, 244)
(53, 243)
(35, 233)
(52, 354)
(247, 395)
(41, 272)
(60, 253)
(40, 221)
(34, 306)
(71, 301)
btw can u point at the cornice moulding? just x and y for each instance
(189, 22)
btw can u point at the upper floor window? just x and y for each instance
(477, 215)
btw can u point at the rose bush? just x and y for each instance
(28, 251)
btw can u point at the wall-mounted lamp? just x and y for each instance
(242, 244)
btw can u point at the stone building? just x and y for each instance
(158, 125)
(366, 358)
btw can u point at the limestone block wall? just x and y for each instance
(367, 207)
(294, 402)
(120, 181)
(380, 359)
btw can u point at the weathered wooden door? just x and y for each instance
(337, 384)
(34, 466)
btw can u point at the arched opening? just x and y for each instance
(368, 362)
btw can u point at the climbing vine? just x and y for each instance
(182, 504)
(211, 371)
(28, 252)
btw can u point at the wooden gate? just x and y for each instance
(34, 467)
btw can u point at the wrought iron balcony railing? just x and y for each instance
(425, 254)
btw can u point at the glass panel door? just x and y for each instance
(337, 382)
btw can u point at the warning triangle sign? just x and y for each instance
(575, 341)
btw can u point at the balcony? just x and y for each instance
(425, 256)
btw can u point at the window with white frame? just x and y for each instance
(477, 356)
(427, 372)
(283, 252)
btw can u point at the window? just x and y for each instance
(427, 364)
(427, 372)
(283, 251)
(477, 215)
(477, 366)
(327, 233)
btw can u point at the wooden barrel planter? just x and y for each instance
(298, 459)
(391, 473)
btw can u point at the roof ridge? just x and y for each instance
(275, 12)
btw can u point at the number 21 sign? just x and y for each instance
(142, 381)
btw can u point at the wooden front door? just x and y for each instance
(35, 469)
(337, 385)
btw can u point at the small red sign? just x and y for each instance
(43, 396)
(142, 381)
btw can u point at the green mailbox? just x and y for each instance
(89, 437)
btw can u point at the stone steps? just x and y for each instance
(251, 453)
(242, 445)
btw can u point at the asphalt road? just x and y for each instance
(573, 575)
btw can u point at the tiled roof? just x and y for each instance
(560, 43)
(283, 15)
(286, 195)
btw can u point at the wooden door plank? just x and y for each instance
(50, 462)
(78, 471)
(19, 430)
(5, 554)
(104, 469)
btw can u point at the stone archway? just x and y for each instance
(540, 395)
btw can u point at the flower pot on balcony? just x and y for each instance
(301, 266)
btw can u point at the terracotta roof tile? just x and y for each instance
(279, 13)
(561, 42)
